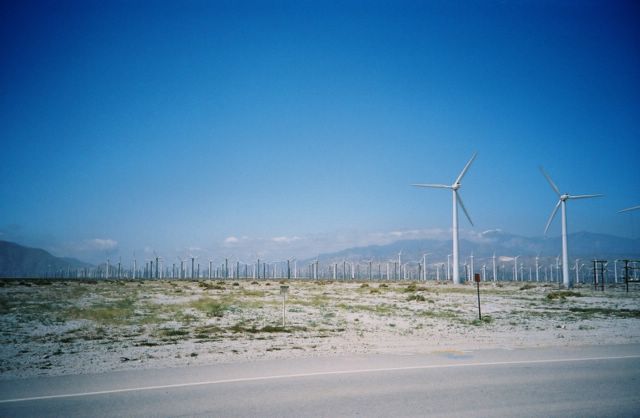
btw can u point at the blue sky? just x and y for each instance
(272, 128)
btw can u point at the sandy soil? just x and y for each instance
(76, 327)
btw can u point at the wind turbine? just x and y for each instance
(562, 202)
(424, 266)
(158, 258)
(457, 200)
(135, 267)
(495, 271)
(182, 275)
(193, 259)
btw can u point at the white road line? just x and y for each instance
(312, 374)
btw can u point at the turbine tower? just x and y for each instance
(562, 202)
(495, 271)
(424, 266)
(457, 200)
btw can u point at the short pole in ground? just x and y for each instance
(284, 289)
(477, 280)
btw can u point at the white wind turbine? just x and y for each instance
(562, 202)
(457, 200)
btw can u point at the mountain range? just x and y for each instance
(19, 261)
(583, 245)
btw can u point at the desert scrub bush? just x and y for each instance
(210, 307)
(186, 318)
(417, 297)
(410, 288)
(117, 313)
(486, 319)
(172, 332)
(440, 314)
(587, 313)
(253, 293)
(210, 286)
(240, 327)
(562, 294)
(207, 331)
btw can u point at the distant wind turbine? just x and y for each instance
(562, 202)
(135, 266)
(424, 266)
(457, 200)
(495, 271)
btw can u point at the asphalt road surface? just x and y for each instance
(581, 382)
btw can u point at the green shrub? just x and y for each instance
(417, 297)
(562, 294)
(211, 307)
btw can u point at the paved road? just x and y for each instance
(586, 381)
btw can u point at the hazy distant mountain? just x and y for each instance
(19, 261)
(584, 245)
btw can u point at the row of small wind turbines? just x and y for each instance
(562, 202)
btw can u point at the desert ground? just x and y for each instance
(56, 327)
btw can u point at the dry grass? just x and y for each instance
(75, 320)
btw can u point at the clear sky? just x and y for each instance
(271, 128)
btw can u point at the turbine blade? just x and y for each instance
(585, 196)
(466, 168)
(553, 185)
(629, 209)
(555, 210)
(463, 208)
(433, 186)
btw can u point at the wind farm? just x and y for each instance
(555, 264)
